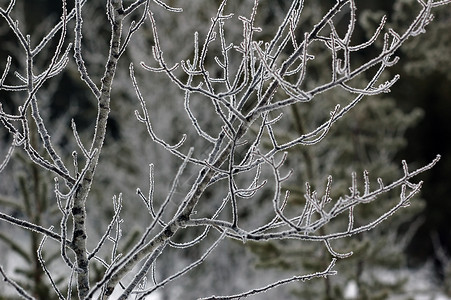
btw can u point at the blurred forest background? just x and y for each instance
(411, 123)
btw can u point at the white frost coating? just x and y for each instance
(235, 90)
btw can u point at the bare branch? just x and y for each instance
(327, 272)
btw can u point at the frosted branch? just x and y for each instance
(17, 287)
(327, 272)
(248, 80)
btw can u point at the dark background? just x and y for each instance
(430, 90)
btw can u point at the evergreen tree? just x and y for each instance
(369, 140)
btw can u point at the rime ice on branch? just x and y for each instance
(247, 84)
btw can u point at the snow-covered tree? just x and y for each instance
(223, 118)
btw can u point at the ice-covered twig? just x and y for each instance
(142, 294)
(46, 270)
(16, 286)
(327, 272)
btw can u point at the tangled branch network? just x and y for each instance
(246, 85)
